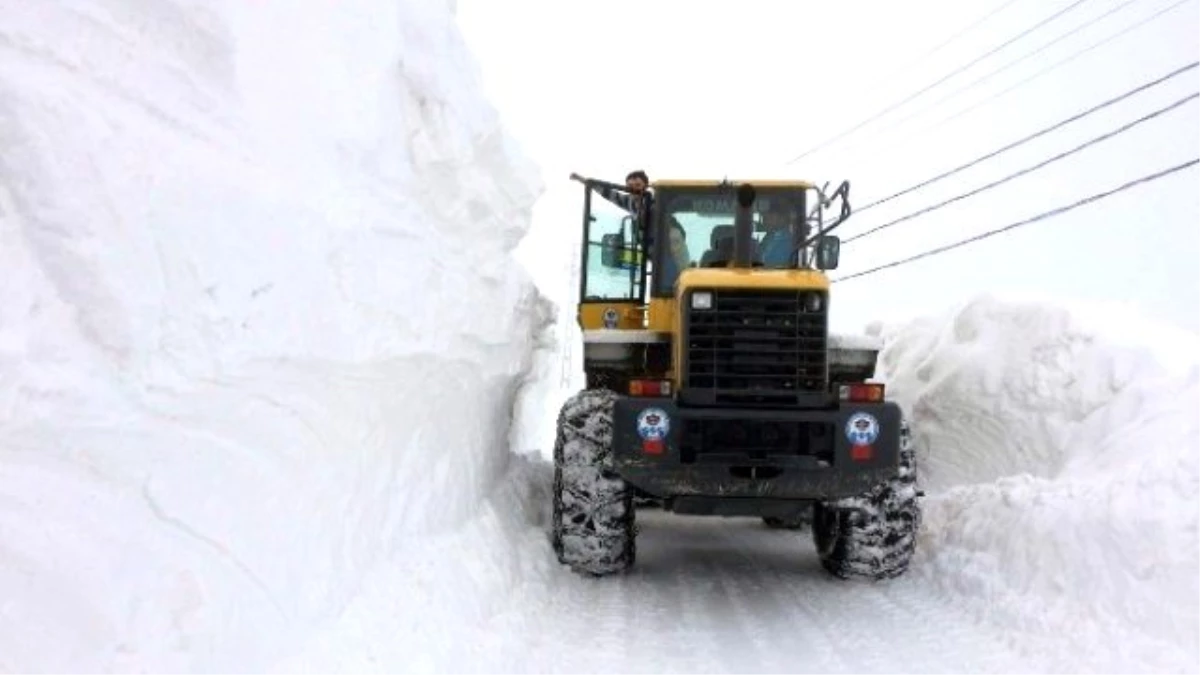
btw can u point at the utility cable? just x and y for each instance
(927, 88)
(1053, 66)
(984, 78)
(1041, 216)
(1137, 90)
(1027, 170)
(978, 22)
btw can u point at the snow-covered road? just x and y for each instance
(730, 595)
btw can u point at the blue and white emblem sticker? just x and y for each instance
(862, 429)
(653, 424)
(610, 318)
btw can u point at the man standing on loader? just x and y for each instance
(635, 197)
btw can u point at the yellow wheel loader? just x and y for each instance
(714, 387)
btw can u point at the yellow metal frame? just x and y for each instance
(630, 315)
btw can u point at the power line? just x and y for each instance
(1035, 167)
(1054, 66)
(1041, 216)
(897, 138)
(910, 97)
(1043, 132)
(980, 80)
(952, 38)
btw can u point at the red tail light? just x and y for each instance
(650, 388)
(653, 446)
(861, 393)
(861, 453)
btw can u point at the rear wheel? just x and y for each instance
(872, 535)
(592, 527)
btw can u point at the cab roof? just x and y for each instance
(688, 182)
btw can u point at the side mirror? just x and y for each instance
(611, 248)
(619, 254)
(828, 250)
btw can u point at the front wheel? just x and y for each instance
(873, 535)
(592, 527)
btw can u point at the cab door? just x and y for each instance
(612, 284)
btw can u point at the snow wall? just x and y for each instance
(259, 322)
(1060, 449)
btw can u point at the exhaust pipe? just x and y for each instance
(743, 226)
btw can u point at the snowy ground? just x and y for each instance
(1060, 536)
(264, 352)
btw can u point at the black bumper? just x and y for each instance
(650, 451)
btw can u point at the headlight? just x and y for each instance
(702, 300)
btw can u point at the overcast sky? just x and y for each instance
(685, 88)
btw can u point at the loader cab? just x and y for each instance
(704, 229)
(623, 285)
(632, 297)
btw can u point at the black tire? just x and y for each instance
(592, 527)
(874, 535)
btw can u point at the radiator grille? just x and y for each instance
(756, 347)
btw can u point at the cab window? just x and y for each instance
(698, 223)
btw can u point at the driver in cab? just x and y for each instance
(776, 245)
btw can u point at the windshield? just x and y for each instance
(698, 226)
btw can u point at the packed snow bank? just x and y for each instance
(1001, 387)
(1063, 463)
(259, 322)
